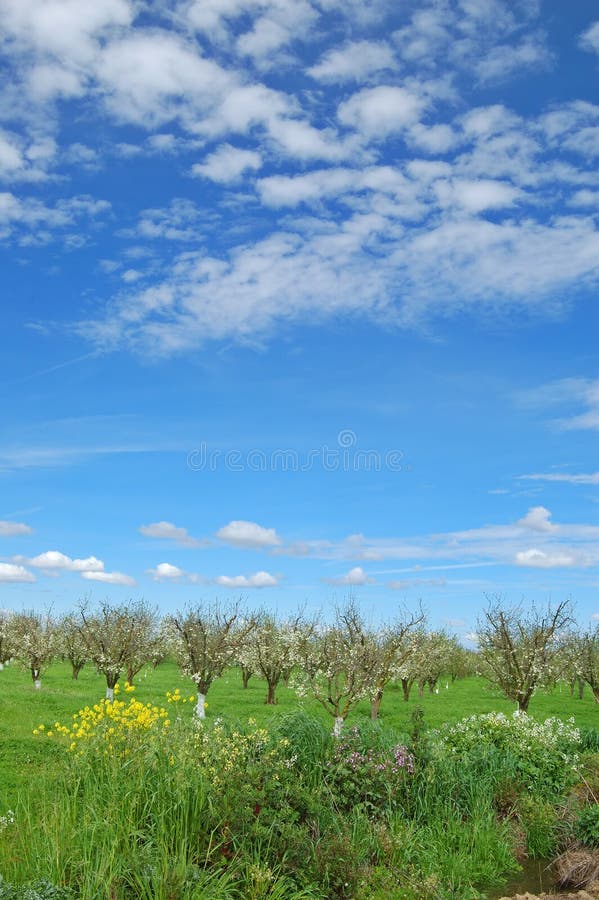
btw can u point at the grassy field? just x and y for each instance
(24, 757)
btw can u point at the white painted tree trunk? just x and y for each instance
(1, 666)
(201, 706)
(338, 726)
(110, 694)
(38, 685)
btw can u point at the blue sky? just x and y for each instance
(299, 299)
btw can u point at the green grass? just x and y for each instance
(23, 757)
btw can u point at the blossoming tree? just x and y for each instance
(114, 636)
(72, 645)
(205, 640)
(33, 640)
(587, 662)
(391, 648)
(5, 649)
(272, 649)
(338, 664)
(520, 650)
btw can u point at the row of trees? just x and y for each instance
(339, 663)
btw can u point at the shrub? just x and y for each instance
(370, 776)
(545, 753)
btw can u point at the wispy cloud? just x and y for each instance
(166, 531)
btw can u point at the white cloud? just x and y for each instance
(356, 576)
(505, 60)
(109, 578)
(353, 62)
(150, 78)
(166, 572)
(566, 477)
(538, 559)
(380, 111)
(14, 529)
(257, 580)
(566, 544)
(569, 394)
(65, 28)
(168, 532)
(240, 533)
(33, 222)
(54, 561)
(538, 519)
(11, 573)
(476, 196)
(227, 164)
(589, 39)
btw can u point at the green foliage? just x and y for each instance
(542, 826)
(365, 772)
(586, 827)
(40, 890)
(589, 739)
(545, 753)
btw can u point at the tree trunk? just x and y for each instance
(375, 705)
(596, 693)
(76, 670)
(271, 699)
(580, 689)
(421, 688)
(246, 674)
(338, 726)
(35, 674)
(523, 704)
(406, 686)
(200, 709)
(110, 694)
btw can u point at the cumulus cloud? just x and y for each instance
(381, 111)
(109, 578)
(539, 559)
(11, 573)
(503, 61)
(227, 164)
(353, 62)
(55, 561)
(257, 580)
(589, 39)
(356, 576)
(166, 531)
(14, 529)
(166, 572)
(538, 519)
(249, 535)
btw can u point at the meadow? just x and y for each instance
(452, 835)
